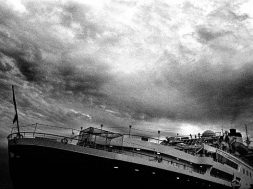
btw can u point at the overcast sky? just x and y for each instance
(177, 66)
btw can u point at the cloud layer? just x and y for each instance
(154, 64)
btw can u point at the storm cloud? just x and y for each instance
(122, 63)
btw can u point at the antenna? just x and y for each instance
(247, 139)
(16, 112)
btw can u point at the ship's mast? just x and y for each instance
(16, 112)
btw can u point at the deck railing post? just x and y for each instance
(95, 140)
(130, 126)
(158, 136)
(35, 129)
(122, 143)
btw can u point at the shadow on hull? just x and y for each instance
(43, 167)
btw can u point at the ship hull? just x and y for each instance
(45, 166)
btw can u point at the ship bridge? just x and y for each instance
(97, 136)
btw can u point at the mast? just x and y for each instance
(16, 112)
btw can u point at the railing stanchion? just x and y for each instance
(130, 126)
(122, 143)
(159, 136)
(35, 129)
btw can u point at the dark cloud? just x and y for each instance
(208, 35)
(27, 65)
(226, 94)
(82, 80)
(64, 74)
(65, 77)
(201, 93)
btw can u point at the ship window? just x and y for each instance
(247, 173)
(221, 174)
(224, 160)
(243, 171)
(144, 138)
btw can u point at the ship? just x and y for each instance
(45, 156)
(102, 158)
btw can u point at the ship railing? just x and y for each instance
(42, 135)
(70, 136)
(70, 132)
(67, 131)
(45, 127)
(45, 131)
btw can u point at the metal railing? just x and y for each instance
(68, 136)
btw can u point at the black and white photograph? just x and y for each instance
(126, 94)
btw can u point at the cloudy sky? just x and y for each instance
(176, 66)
